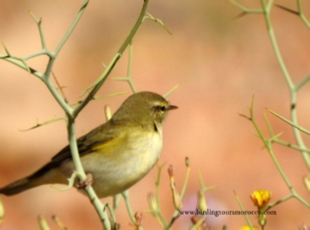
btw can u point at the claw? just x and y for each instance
(87, 182)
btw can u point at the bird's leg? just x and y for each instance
(87, 182)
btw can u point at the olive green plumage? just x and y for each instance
(117, 154)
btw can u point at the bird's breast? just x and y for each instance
(121, 163)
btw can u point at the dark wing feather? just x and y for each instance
(86, 144)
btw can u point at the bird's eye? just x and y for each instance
(163, 108)
(160, 108)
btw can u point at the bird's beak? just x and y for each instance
(170, 107)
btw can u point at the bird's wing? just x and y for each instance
(86, 144)
(99, 136)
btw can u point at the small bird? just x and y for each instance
(116, 154)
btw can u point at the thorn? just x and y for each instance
(38, 21)
(242, 14)
(287, 9)
(6, 50)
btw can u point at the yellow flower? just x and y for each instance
(260, 198)
(246, 227)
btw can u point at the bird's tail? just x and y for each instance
(17, 186)
(43, 176)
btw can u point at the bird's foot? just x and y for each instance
(87, 182)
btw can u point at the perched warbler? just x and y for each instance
(117, 154)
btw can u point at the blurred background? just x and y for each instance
(219, 61)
